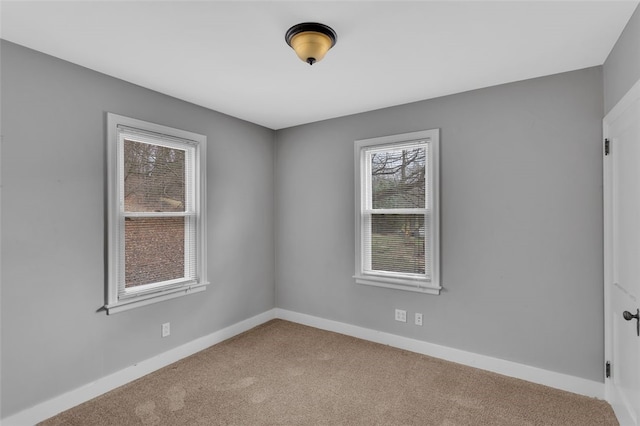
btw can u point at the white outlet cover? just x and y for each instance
(418, 319)
(166, 329)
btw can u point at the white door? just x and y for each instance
(622, 256)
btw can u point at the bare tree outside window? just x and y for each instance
(398, 182)
(398, 179)
(153, 178)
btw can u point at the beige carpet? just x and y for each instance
(283, 373)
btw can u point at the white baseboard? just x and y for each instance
(56, 405)
(50, 408)
(508, 368)
(621, 405)
(622, 414)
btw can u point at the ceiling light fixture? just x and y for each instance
(311, 41)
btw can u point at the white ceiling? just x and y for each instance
(232, 57)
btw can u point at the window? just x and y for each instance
(397, 225)
(156, 213)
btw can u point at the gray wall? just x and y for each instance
(622, 68)
(53, 279)
(521, 206)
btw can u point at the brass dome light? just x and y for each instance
(311, 41)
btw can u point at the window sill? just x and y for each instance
(398, 284)
(147, 299)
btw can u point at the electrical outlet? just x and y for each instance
(418, 319)
(401, 315)
(166, 329)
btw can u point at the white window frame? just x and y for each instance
(409, 282)
(120, 299)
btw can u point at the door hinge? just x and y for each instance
(607, 147)
(607, 369)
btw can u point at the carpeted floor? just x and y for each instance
(282, 373)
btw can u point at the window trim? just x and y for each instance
(393, 280)
(153, 292)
